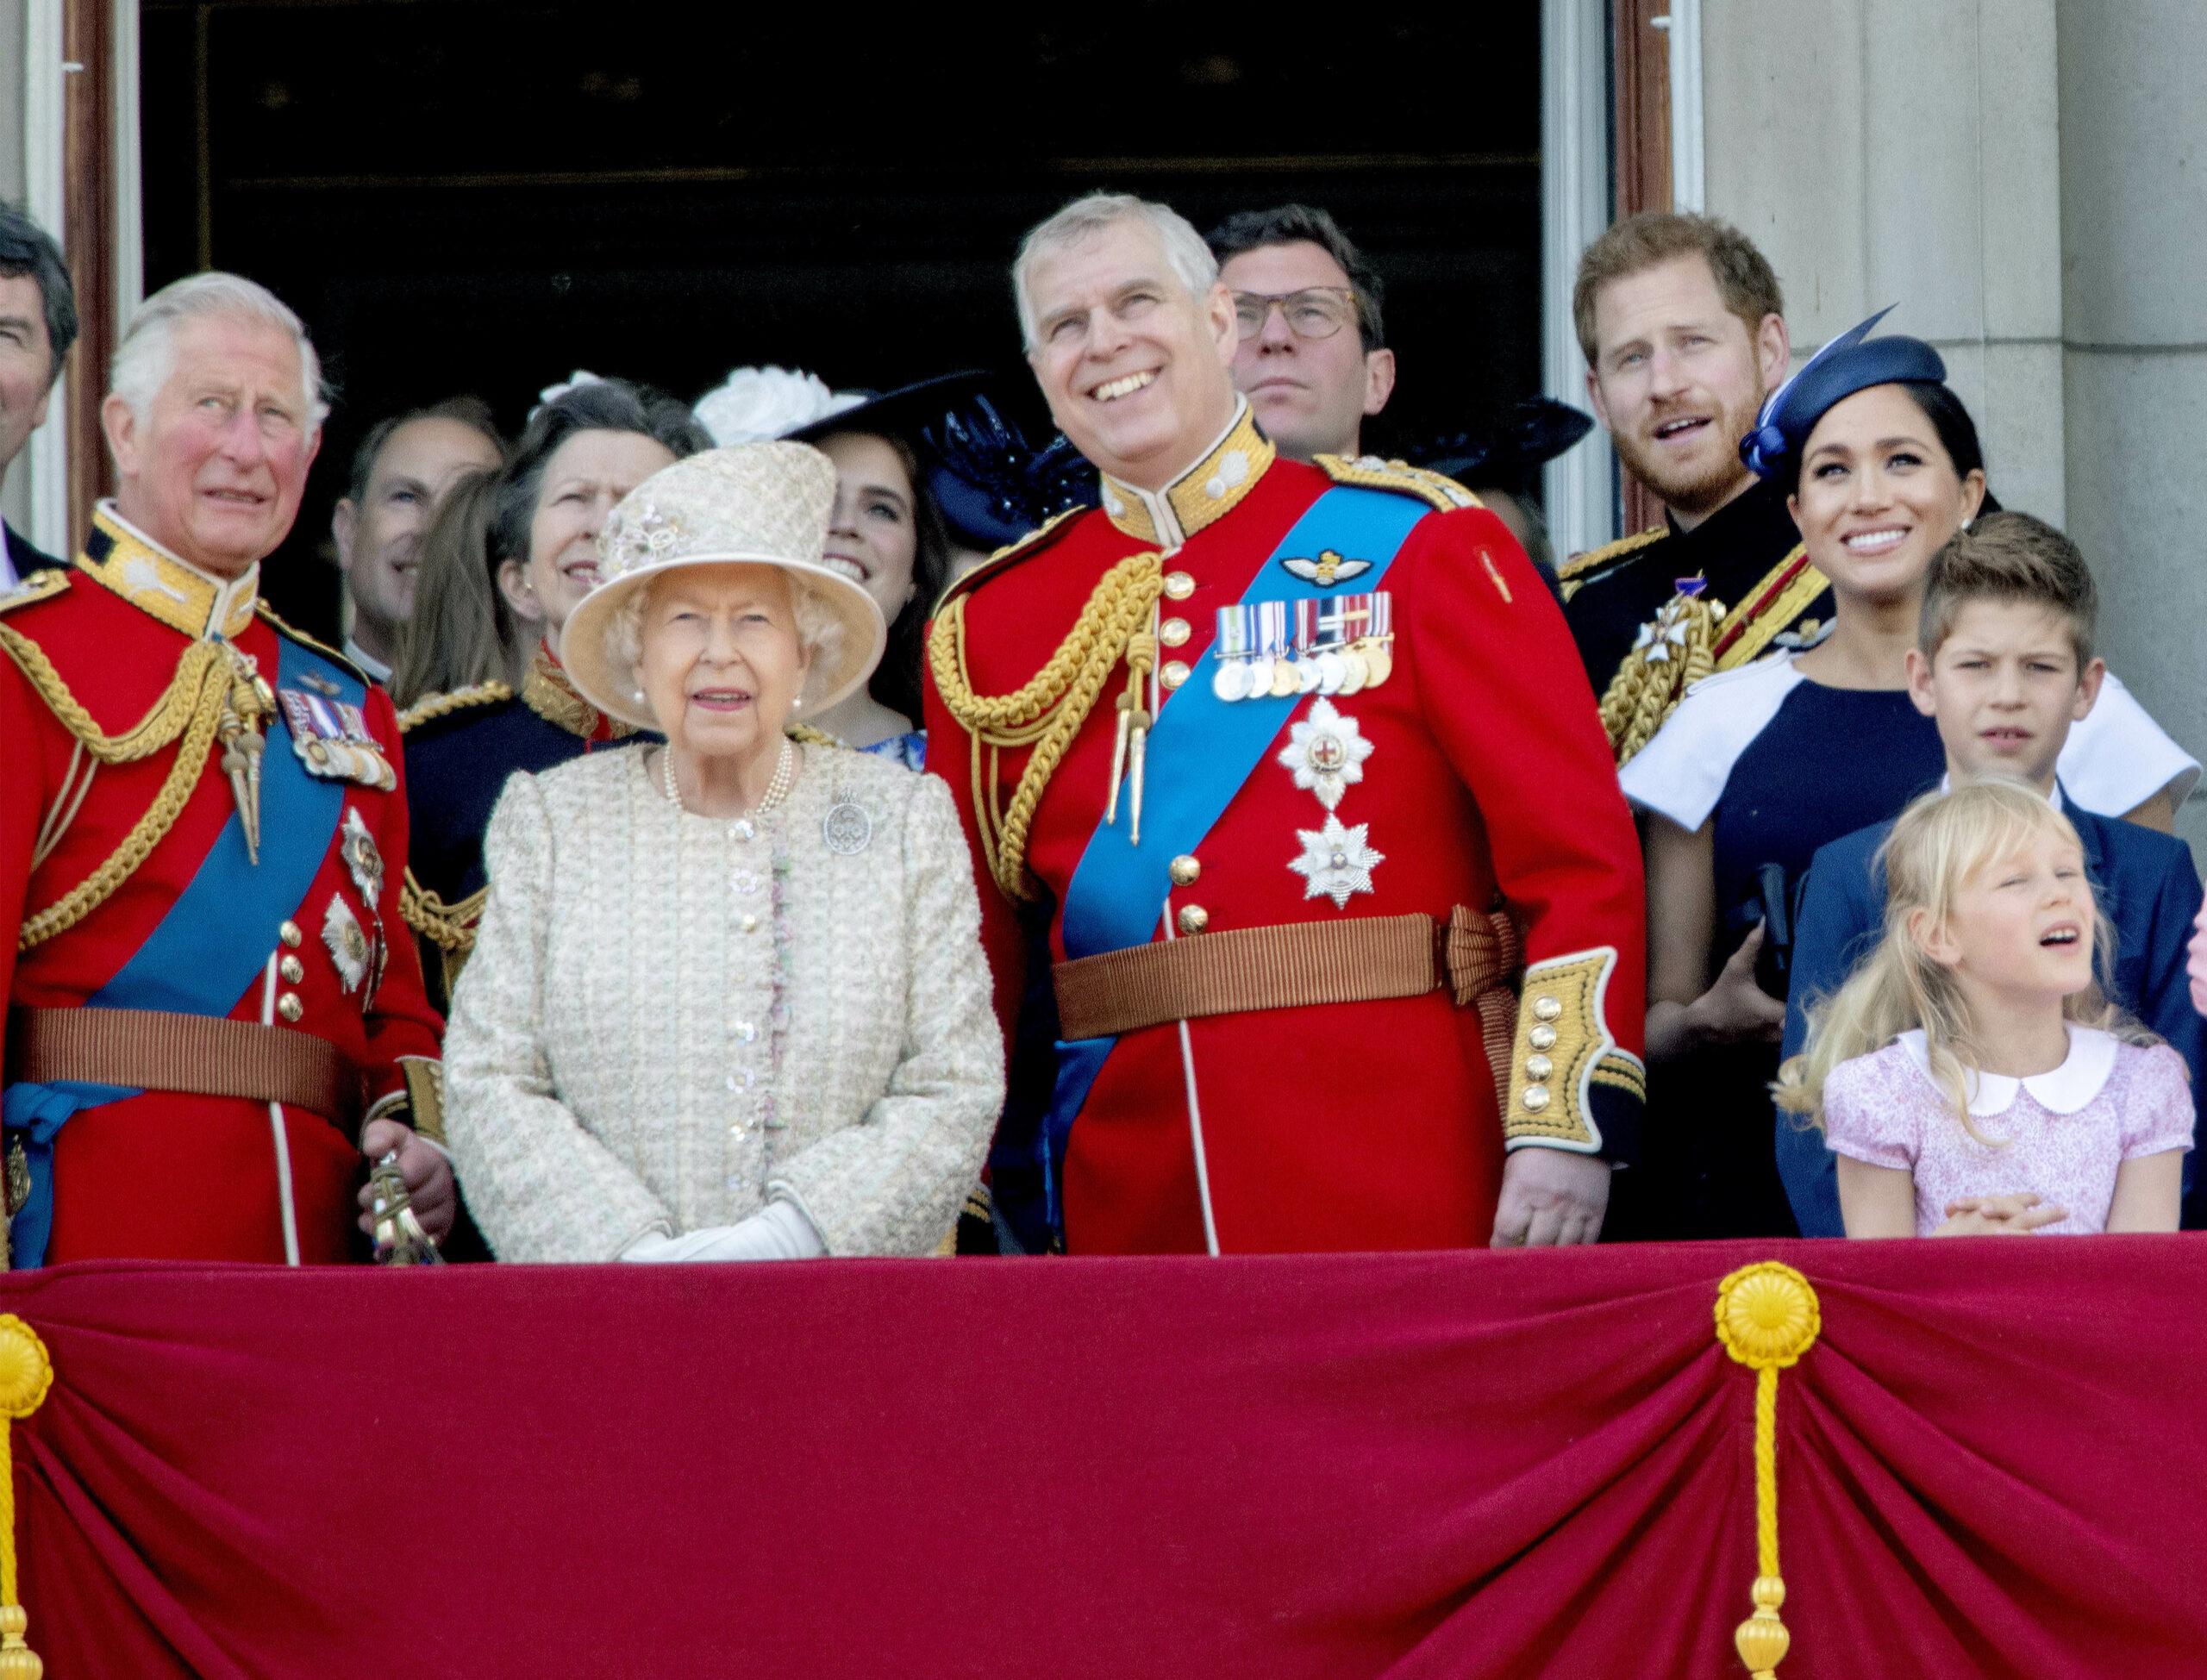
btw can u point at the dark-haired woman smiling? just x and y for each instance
(583, 450)
(1759, 766)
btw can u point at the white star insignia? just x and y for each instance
(1327, 752)
(1335, 862)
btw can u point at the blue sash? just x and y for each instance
(1208, 748)
(211, 945)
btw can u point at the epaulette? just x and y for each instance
(41, 585)
(1010, 554)
(1370, 472)
(304, 640)
(1576, 568)
(431, 707)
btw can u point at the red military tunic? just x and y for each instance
(1364, 1125)
(160, 1174)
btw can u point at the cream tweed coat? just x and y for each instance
(668, 1019)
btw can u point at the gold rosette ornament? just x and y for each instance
(26, 1373)
(1767, 1317)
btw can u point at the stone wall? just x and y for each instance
(2023, 178)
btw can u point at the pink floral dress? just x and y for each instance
(2062, 1133)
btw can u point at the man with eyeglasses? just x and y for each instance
(1313, 359)
(38, 323)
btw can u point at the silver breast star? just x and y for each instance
(1335, 861)
(1327, 752)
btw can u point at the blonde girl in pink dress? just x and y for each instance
(1969, 1076)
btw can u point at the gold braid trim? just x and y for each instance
(1434, 489)
(1044, 713)
(189, 712)
(431, 707)
(805, 735)
(448, 926)
(1579, 565)
(1646, 689)
(183, 775)
(202, 671)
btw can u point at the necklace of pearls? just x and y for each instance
(777, 790)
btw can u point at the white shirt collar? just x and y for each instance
(8, 578)
(2062, 1090)
(368, 662)
(2054, 799)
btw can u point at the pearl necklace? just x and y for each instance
(777, 790)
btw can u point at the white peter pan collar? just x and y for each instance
(2062, 1090)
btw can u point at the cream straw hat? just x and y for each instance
(760, 504)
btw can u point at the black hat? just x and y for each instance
(1529, 436)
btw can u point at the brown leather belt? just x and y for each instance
(1295, 965)
(154, 1050)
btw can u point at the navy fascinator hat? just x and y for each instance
(1851, 362)
(994, 485)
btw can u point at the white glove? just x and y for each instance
(779, 1231)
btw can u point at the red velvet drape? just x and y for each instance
(1992, 1463)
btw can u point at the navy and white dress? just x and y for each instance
(1781, 765)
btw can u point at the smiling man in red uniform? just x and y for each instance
(213, 1008)
(1291, 759)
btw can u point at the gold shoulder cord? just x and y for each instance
(1046, 713)
(1655, 676)
(189, 712)
(431, 707)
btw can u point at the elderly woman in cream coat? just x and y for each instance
(727, 1000)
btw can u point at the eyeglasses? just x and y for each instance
(1316, 312)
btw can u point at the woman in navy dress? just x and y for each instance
(1759, 766)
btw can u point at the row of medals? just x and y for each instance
(1316, 667)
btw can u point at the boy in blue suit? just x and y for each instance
(2003, 664)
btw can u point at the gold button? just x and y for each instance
(1183, 870)
(1541, 1037)
(288, 1006)
(1194, 918)
(1178, 586)
(1173, 632)
(1547, 1008)
(1536, 1098)
(1538, 1067)
(289, 932)
(292, 970)
(1173, 674)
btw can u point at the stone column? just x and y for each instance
(2133, 246)
(1889, 151)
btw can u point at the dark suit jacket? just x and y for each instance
(2147, 887)
(25, 558)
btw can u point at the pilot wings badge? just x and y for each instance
(1328, 569)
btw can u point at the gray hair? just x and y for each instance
(819, 630)
(147, 356)
(1191, 259)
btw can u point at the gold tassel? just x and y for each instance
(1767, 1316)
(26, 1373)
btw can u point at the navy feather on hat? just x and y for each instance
(1851, 362)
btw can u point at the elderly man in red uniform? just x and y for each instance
(213, 1008)
(1296, 760)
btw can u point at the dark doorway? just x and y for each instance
(481, 195)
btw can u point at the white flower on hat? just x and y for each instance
(757, 403)
(575, 381)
